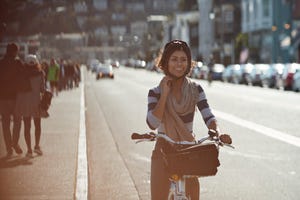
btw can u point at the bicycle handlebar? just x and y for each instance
(151, 136)
(137, 136)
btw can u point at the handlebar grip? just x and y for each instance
(137, 136)
(226, 139)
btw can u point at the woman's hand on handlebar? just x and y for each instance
(225, 138)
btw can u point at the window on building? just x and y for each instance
(266, 11)
(254, 9)
(247, 9)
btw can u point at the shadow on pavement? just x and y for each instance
(14, 162)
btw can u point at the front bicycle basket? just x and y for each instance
(198, 160)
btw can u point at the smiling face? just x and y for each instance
(178, 64)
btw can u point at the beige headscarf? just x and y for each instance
(174, 126)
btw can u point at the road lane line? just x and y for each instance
(259, 128)
(81, 192)
(141, 157)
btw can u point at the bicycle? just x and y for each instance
(187, 159)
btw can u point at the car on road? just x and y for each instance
(218, 70)
(203, 71)
(104, 70)
(228, 73)
(275, 69)
(93, 64)
(296, 81)
(285, 81)
(195, 72)
(241, 74)
(257, 74)
(115, 64)
(140, 64)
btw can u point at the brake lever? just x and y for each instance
(221, 143)
(229, 145)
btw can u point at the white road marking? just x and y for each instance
(259, 128)
(141, 157)
(255, 156)
(82, 173)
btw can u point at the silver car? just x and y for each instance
(104, 70)
(296, 81)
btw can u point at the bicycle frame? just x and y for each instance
(177, 188)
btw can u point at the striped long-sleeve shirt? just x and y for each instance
(155, 123)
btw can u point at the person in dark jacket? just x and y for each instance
(28, 103)
(10, 71)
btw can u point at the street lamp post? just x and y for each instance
(222, 36)
(206, 28)
(212, 17)
(219, 19)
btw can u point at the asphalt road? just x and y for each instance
(265, 163)
(263, 123)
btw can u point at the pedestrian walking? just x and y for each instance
(77, 74)
(28, 103)
(10, 70)
(53, 76)
(62, 75)
(45, 68)
(70, 74)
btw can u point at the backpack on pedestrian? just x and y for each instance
(45, 103)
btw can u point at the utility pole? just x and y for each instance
(206, 28)
(222, 34)
(299, 53)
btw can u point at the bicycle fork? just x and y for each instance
(177, 189)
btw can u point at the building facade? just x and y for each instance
(268, 25)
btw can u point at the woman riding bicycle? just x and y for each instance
(171, 108)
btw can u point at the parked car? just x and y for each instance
(140, 64)
(115, 64)
(203, 72)
(150, 66)
(130, 63)
(195, 72)
(104, 70)
(218, 71)
(93, 64)
(241, 74)
(229, 71)
(275, 69)
(296, 81)
(257, 74)
(285, 81)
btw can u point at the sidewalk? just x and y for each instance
(52, 175)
